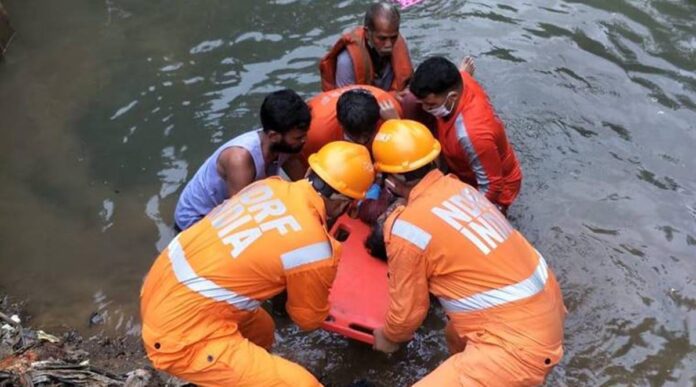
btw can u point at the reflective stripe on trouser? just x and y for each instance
(496, 297)
(203, 286)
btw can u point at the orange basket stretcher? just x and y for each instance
(359, 296)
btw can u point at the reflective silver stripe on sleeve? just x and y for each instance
(411, 233)
(308, 254)
(515, 292)
(468, 147)
(205, 287)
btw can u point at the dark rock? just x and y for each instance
(72, 337)
(76, 355)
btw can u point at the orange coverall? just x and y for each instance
(476, 148)
(324, 127)
(201, 300)
(504, 306)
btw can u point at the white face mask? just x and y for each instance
(442, 110)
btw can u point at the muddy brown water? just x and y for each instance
(106, 108)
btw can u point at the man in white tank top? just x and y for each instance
(252, 156)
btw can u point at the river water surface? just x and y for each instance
(106, 108)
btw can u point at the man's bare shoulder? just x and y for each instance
(236, 158)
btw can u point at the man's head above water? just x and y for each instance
(285, 118)
(382, 27)
(357, 111)
(437, 84)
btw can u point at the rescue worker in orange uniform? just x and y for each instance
(373, 54)
(474, 143)
(504, 306)
(351, 113)
(201, 301)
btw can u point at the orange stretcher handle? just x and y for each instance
(345, 328)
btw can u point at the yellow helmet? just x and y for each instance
(345, 166)
(402, 146)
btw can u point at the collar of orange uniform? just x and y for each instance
(425, 183)
(465, 98)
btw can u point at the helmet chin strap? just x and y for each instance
(320, 185)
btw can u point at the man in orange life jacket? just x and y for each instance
(201, 300)
(373, 54)
(351, 113)
(474, 143)
(504, 306)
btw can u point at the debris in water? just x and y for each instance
(33, 357)
(96, 319)
(7, 327)
(45, 336)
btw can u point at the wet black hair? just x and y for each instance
(357, 111)
(375, 241)
(381, 9)
(435, 75)
(284, 110)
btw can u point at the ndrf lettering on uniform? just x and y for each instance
(475, 218)
(253, 212)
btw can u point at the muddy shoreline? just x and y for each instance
(30, 356)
